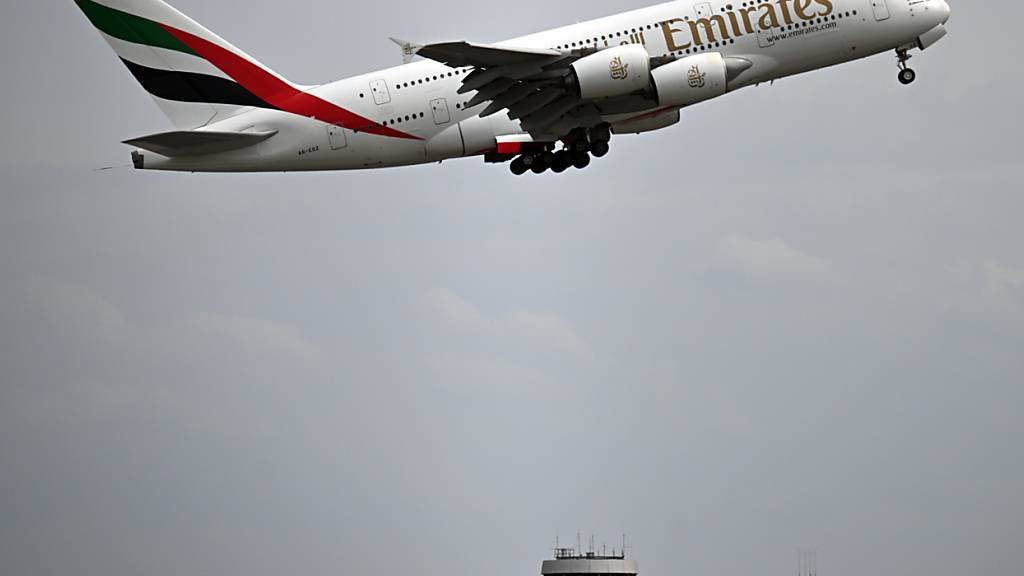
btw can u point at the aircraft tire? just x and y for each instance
(563, 160)
(518, 167)
(907, 76)
(599, 148)
(581, 160)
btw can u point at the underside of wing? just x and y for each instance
(536, 87)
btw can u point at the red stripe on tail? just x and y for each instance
(279, 93)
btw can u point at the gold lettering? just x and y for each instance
(801, 9)
(709, 29)
(746, 19)
(670, 32)
(769, 19)
(785, 11)
(736, 23)
(736, 30)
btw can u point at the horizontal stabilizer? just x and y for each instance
(198, 143)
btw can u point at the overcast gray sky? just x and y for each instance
(796, 320)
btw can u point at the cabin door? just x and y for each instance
(336, 134)
(441, 113)
(379, 89)
(881, 9)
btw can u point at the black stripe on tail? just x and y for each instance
(192, 87)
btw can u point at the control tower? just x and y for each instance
(569, 562)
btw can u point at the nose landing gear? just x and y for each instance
(906, 75)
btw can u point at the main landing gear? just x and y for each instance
(578, 149)
(907, 75)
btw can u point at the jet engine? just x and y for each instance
(647, 122)
(612, 72)
(691, 80)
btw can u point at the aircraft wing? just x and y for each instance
(530, 84)
(460, 54)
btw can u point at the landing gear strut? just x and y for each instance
(907, 75)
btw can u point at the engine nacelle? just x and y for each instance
(690, 80)
(612, 72)
(647, 122)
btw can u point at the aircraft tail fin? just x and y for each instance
(408, 49)
(195, 76)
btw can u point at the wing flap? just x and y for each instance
(197, 142)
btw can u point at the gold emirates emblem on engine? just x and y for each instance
(696, 77)
(619, 71)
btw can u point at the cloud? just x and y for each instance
(455, 310)
(550, 330)
(539, 329)
(771, 258)
(75, 309)
(253, 334)
(1001, 281)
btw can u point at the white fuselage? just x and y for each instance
(421, 98)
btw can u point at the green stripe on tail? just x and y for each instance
(131, 28)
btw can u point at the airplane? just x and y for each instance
(548, 101)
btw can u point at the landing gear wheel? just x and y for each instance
(539, 167)
(602, 133)
(562, 162)
(907, 76)
(581, 160)
(518, 167)
(599, 148)
(579, 146)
